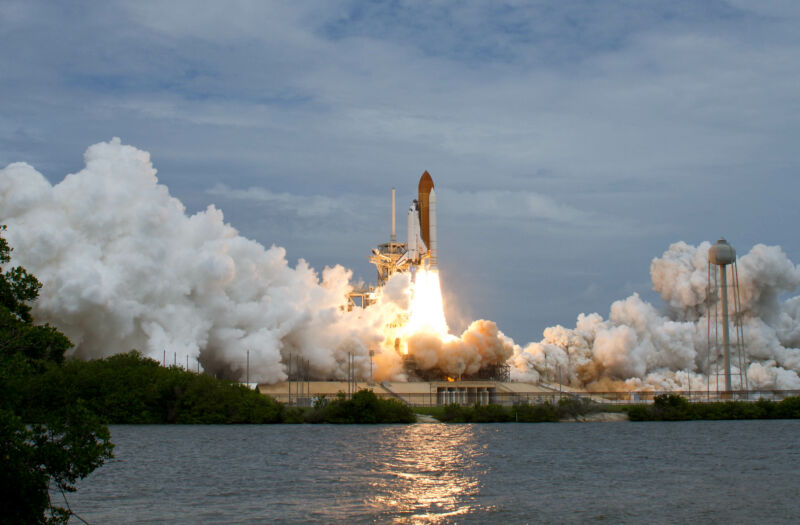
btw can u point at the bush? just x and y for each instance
(789, 408)
(455, 413)
(671, 407)
(363, 408)
(575, 407)
(490, 414)
(545, 412)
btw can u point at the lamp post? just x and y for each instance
(371, 378)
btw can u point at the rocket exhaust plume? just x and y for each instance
(427, 309)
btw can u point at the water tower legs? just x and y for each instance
(725, 333)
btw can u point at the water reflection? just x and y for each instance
(427, 474)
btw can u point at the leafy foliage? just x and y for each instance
(542, 413)
(37, 458)
(64, 441)
(671, 407)
(17, 286)
(364, 407)
(129, 388)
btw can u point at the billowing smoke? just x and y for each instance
(640, 347)
(124, 267)
(481, 344)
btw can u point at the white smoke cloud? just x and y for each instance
(640, 347)
(124, 267)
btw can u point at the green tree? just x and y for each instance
(364, 407)
(17, 286)
(46, 452)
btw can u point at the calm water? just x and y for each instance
(723, 472)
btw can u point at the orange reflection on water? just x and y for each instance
(430, 475)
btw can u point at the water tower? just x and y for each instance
(723, 295)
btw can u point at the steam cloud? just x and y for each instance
(639, 347)
(480, 344)
(124, 267)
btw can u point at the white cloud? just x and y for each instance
(303, 206)
(504, 205)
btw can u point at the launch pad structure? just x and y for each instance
(415, 393)
(419, 250)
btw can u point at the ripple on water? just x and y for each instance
(742, 471)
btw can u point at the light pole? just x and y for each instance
(247, 377)
(371, 379)
(560, 395)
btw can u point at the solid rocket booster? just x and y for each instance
(432, 226)
(413, 232)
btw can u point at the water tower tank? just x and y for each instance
(721, 253)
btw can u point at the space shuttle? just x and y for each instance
(422, 224)
(420, 248)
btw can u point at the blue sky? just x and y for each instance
(570, 142)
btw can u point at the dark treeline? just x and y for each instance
(132, 389)
(129, 388)
(671, 407)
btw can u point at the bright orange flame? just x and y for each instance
(427, 309)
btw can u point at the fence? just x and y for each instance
(610, 398)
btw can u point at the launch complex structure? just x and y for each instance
(418, 251)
